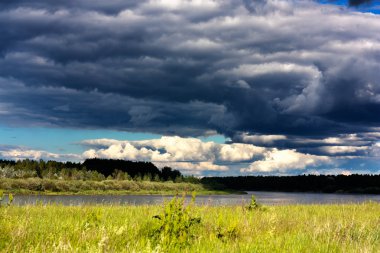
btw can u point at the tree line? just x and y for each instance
(90, 169)
(301, 183)
(133, 169)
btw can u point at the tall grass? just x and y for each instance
(297, 228)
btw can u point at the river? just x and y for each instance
(265, 198)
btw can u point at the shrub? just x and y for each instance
(174, 227)
(49, 185)
(253, 204)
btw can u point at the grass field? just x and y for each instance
(297, 228)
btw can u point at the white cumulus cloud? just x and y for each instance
(192, 154)
(22, 153)
(282, 160)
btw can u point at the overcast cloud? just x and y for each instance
(297, 78)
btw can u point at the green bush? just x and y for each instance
(253, 204)
(174, 227)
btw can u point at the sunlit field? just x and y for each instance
(173, 227)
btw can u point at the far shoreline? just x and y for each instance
(18, 192)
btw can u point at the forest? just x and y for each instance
(91, 169)
(300, 183)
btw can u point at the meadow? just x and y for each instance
(178, 227)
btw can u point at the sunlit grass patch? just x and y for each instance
(294, 228)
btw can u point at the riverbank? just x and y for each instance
(105, 187)
(294, 228)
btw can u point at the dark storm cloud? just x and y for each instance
(190, 67)
(359, 2)
(109, 7)
(64, 107)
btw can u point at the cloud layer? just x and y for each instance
(293, 75)
(193, 156)
(21, 153)
(190, 67)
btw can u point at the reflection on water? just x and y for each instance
(266, 198)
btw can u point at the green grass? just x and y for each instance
(295, 228)
(105, 187)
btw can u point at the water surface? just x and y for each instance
(266, 198)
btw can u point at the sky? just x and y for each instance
(209, 87)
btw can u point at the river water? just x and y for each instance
(265, 198)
